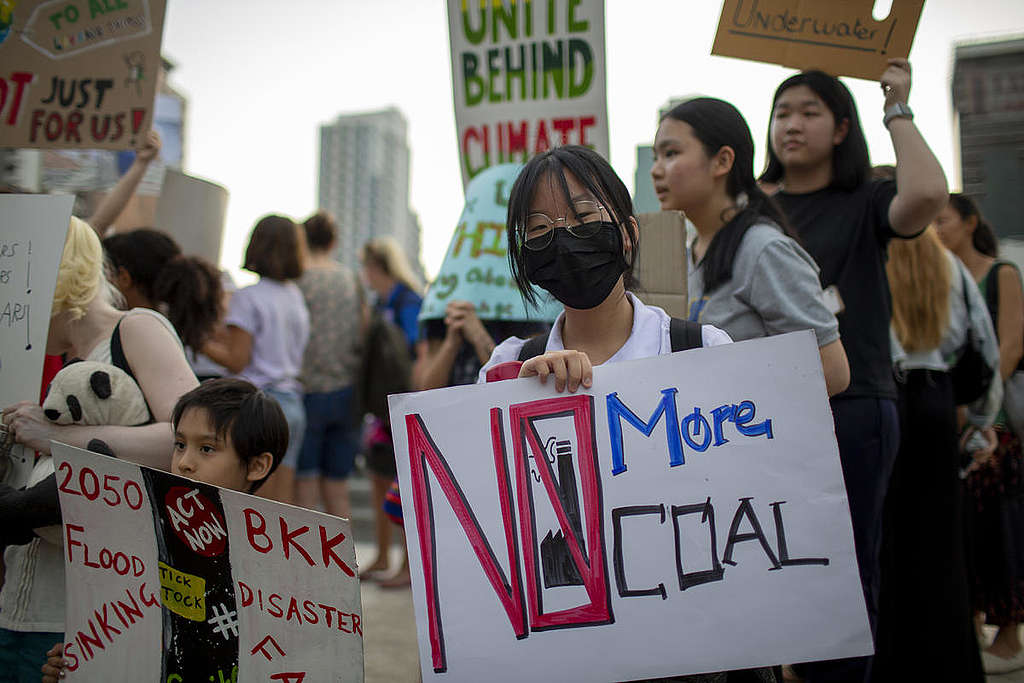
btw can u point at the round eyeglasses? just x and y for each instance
(540, 228)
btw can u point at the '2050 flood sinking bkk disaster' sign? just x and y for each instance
(526, 76)
(170, 580)
(475, 268)
(686, 514)
(78, 73)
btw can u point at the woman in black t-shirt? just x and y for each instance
(818, 161)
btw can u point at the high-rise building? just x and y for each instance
(364, 182)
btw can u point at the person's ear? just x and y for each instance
(259, 466)
(972, 224)
(841, 131)
(722, 163)
(123, 279)
(630, 235)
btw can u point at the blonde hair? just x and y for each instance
(920, 274)
(388, 255)
(80, 276)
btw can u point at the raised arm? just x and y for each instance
(113, 204)
(921, 188)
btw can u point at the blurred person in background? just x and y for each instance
(265, 334)
(995, 486)
(329, 371)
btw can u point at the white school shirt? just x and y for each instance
(650, 337)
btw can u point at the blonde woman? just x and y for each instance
(84, 324)
(935, 302)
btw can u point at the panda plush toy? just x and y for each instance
(92, 393)
(83, 393)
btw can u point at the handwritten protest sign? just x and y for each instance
(172, 580)
(475, 268)
(32, 232)
(526, 77)
(687, 514)
(78, 73)
(840, 37)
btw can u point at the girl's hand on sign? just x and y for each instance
(30, 426)
(53, 670)
(896, 82)
(570, 368)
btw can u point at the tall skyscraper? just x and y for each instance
(364, 182)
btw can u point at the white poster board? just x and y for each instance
(549, 538)
(169, 579)
(32, 233)
(526, 77)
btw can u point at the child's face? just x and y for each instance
(201, 455)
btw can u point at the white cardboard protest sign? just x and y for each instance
(550, 538)
(169, 579)
(32, 233)
(526, 77)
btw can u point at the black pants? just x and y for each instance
(867, 430)
(925, 629)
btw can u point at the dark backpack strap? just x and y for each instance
(533, 347)
(685, 335)
(117, 357)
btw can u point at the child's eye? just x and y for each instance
(206, 449)
(179, 445)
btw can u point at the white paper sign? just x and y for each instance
(685, 515)
(172, 580)
(526, 77)
(32, 232)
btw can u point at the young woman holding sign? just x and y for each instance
(818, 161)
(746, 275)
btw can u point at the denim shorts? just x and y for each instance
(332, 435)
(295, 414)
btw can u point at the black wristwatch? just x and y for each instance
(897, 110)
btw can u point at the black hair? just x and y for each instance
(595, 174)
(143, 253)
(236, 408)
(718, 124)
(984, 238)
(851, 165)
(189, 286)
(321, 231)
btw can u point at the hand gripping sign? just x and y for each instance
(686, 514)
(173, 580)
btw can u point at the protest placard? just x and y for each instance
(78, 73)
(475, 268)
(192, 210)
(572, 537)
(526, 77)
(32, 232)
(169, 579)
(840, 37)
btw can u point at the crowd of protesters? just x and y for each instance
(899, 280)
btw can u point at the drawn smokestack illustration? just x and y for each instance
(557, 564)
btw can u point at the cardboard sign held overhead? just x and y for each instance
(78, 73)
(840, 36)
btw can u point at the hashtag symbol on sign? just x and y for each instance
(224, 620)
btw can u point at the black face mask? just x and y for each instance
(579, 272)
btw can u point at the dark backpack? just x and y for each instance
(387, 366)
(684, 335)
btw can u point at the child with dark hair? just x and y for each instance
(993, 520)
(267, 328)
(227, 433)
(746, 274)
(818, 161)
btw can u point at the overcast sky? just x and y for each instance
(262, 76)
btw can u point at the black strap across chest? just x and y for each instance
(683, 335)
